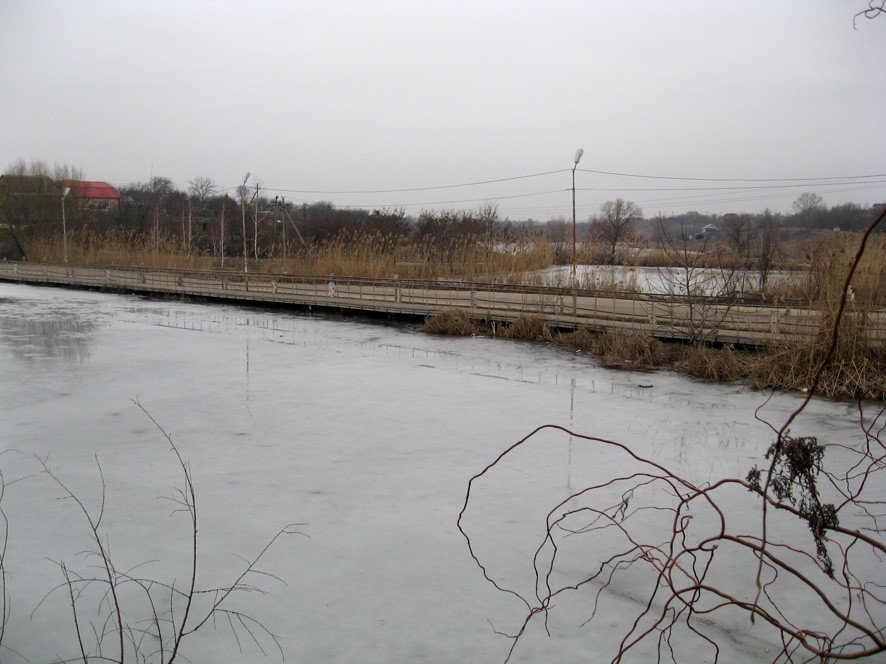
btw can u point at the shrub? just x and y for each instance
(857, 367)
(711, 363)
(581, 340)
(450, 322)
(629, 350)
(529, 328)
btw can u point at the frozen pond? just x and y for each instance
(366, 433)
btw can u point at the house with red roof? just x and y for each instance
(92, 195)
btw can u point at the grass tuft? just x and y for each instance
(450, 322)
(527, 328)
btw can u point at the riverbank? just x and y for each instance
(857, 369)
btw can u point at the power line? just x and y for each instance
(564, 170)
(408, 189)
(694, 179)
(693, 200)
(463, 200)
(734, 188)
(741, 199)
(828, 182)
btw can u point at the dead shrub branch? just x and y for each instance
(809, 583)
(147, 619)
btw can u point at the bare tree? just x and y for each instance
(806, 202)
(615, 223)
(487, 215)
(189, 240)
(703, 285)
(201, 189)
(63, 172)
(160, 190)
(767, 246)
(738, 230)
(30, 197)
(221, 229)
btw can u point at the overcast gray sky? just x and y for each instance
(345, 96)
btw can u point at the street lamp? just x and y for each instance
(578, 154)
(243, 211)
(65, 191)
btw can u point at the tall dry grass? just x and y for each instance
(375, 255)
(527, 328)
(349, 254)
(116, 247)
(620, 349)
(858, 365)
(450, 322)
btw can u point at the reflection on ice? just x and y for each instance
(35, 335)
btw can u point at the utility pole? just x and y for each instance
(255, 222)
(282, 221)
(190, 226)
(578, 155)
(221, 224)
(65, 191)
(243, 191)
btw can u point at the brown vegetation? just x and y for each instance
(450, 322)
(858, 364)
(526, 328)
(720, 364)
(353, 254)
(628, 350)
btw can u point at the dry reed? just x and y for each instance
(714, 364)
(527, 328)
(450, 322)
(628, 350)
(350, 254)
(858, 366)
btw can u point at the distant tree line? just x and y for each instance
(203, 219)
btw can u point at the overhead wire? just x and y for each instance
(462, 200)
(409, 189)
(697, 179)
(684, 200)
(832, 183)
(735, 188)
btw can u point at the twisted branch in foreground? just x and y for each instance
(818, 593)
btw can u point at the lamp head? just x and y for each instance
(578, 154)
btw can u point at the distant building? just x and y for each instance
(98, 196)
(709, 232)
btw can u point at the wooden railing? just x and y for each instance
(668, 316)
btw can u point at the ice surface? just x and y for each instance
(367, 433)
(710, 281)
